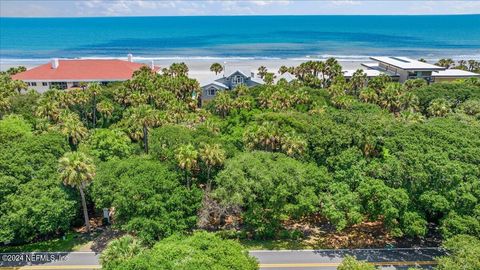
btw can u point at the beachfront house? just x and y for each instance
(452, 74)
(211, 87)
(405, 68)
(401, 69)
(71, 73)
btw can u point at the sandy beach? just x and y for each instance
(200, 69)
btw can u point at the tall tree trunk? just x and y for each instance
(145, 139)
(85, 212)
(209, 182)
(186, 178)
(94, 110)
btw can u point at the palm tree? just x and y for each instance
(390, 97)
(268, 78)
(19, 85)
(5, 104)
(146, 117)
(212, 155)
(473, 65)
(223, 103)
(94, 88)
(439, 107)
(48, 109)
(358, 81)
(262, 70)
(178, 69)
(446, 63)
(216, 67)
(187, 157)
(462, 64)
(293, 145)
(243, 102)
(368, 95)
(71, 126)
(412, 84)
(106, 109)
(123, 96)
(283, 69)
(77, 170)
(119, 249)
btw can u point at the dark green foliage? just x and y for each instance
(201, 251)
(107, 144)
(24, 105)
(341, 206)
(463, 250)
(33, 203)
(350, 263)
(119, 251)
(37, 208)
(13, 127)
(165, 140)
(454, 92)
(270, 188)
(147, 197)
(33, 157)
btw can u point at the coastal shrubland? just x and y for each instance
(319, 151)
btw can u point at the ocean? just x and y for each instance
(241, 37)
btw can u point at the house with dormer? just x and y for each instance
(211, 88)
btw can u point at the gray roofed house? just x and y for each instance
(228, 82)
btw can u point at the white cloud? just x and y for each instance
(346, 3)
(58, 8)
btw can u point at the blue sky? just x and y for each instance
(79, 8)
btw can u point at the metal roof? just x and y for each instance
(406, 63)
(454, 73)
(369, 72)
(215, 83)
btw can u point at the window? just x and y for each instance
(237, 79)
(75, 84)
(211, 91)
(44, 83)
(59, 85)
(33, 84)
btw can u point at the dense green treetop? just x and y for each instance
(147, 197)
(13, 127)
(201, 250)
(106, 144)
(270, 187)
(350, 263)
(463, 250)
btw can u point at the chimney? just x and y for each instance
(152, 65)
(55, 63)
(252, 74)
(130, 56)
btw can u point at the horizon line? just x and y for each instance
(239, 15)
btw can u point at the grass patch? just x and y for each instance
(71, 242)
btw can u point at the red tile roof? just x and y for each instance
(81, 70)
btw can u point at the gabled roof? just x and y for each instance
(406, 63)
(287, 76)
(454, 73)
(82, 70)
(256, 80)
(215, 83)
(238, 71)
